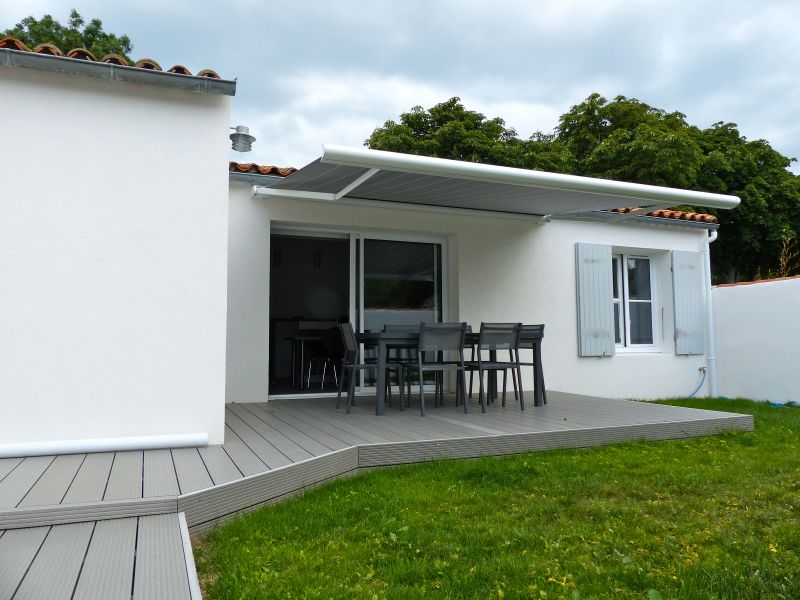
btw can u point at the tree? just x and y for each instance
(76, 34)
(448, 130)
(628, 140)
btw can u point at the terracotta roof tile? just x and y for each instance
(13, 44)
(237, 167)
(179, 69)
(81, 53)
(670, 214)
(48, 49)
(148, 63)
(115, 59)
(84, 54)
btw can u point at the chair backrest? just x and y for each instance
(530, 334)
(349, 343)
(499, 336)
(402, 327)
(442, 337)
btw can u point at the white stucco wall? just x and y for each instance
(757, 328)
(113, 243)
(499, 270)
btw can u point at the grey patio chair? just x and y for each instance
(437, 342)
(496, 337)
(351, 364)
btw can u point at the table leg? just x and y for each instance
(537, 375)
(380, 380)
(492, 377)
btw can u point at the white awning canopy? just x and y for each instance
(359, 175)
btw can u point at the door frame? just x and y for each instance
(356, 275)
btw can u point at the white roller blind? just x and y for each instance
(687, 295)
(595, 307)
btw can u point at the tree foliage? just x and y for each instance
(628, 140)
(75, 34)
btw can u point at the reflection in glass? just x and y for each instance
(641, 322)
(402, 283)
(638, 278)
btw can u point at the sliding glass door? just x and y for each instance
(402, 283)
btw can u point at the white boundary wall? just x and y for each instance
(757, 330)
(113, 242)
(499, 270)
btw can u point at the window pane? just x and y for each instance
(641, 322)
(617, 336)
(638, 278)
(614, 275)
(401, 283)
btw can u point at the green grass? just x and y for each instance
(713, 517)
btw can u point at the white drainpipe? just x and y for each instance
(711, 353)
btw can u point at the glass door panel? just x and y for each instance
(402, 285)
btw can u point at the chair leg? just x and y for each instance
(339, 385)
(481, 393)
(324, 370)
(521, 399)
(462, 387)
(400, 384)
(351, 392)
(514, 383)
(505, 384)
(421, 395)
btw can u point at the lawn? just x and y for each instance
(713, 517)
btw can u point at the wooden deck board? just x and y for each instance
(160, 564)
(108, 569)
(329, 434)
(288, 447)
(125, 479)
(19, 481)
(220, 466)
(7, 465)
(158, 474)
(308, 442)
(89, 484)
(333, 426)
(242, 456)
(18, 548)
(269, 454)
(192, 472)
(54, 572)
(52, 486)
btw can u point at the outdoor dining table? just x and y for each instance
(531, 338)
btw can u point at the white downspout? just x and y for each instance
(711, 353)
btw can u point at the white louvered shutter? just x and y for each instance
(687, 294)
(595, 307)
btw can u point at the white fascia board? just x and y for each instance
(426, 165)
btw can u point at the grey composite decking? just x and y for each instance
(120, 559)
(277, 448)
(115, 524)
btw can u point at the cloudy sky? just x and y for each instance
(313, 72)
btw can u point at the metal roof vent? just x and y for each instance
(241, 140)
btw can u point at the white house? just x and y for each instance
(145, 284)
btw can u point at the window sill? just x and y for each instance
(619, 350)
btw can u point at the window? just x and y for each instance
(633, 300)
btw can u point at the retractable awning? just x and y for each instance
(362, 176)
